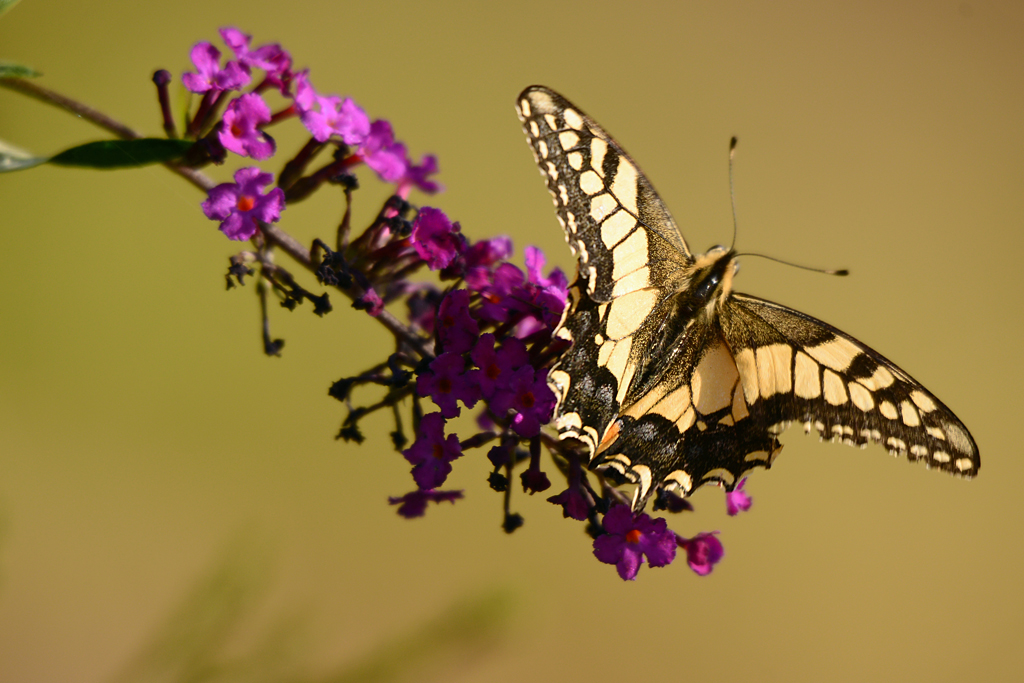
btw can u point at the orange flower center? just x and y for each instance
(245, 203)
(633, 536)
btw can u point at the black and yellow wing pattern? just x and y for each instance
(673, 380)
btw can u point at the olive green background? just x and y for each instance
(173, 504)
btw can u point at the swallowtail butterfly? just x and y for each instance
(673, 380)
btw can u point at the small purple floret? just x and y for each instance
(414, 504)
(418, 176)
(329, 115)
(526, 393)
(737, 500)
(381, 153)
(435, 238)
(447, 382)
(703, 552)
(455, 327)
(239, 205)
(271, 58)
(240, 131)
(496, 366)
(209, 75)
(431, 455)
(628, 538)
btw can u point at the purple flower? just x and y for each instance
(447, 382)
(486, 253)
(271, 58)
(431, 455)
(527, 393)
(703, 551)
(210, 76)
(499, 290)
(574, 500)
(455, 326)
(534, 481)
(239, 131)
(435, 238)
(496, 367)
(737, 500)
(628, 538)
(371, 302)
(418, 176)
(381, 153)
(574, 503)
(414, 504)
(325, 116)
(240, 204)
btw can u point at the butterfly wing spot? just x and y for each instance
(860, 396)
(616, 227)
(922, 401)
(888, 410)
(590, 182)
(909, 415)
(835, 390)
(627, 313)
(575, 160)
(598, 148)
(569, 421)
(679, 479)
(641, 473)
(806, 377)
(896, 443)
(630, 256)
(713, 380)
(837, 353)
(602, 205)
(624, 186)
(773, 369)
(879, 379)
(964, 464)
(572, 119)
(747, 367)
(958, 437)
(568, 140)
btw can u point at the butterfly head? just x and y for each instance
(711, 281)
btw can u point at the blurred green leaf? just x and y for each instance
(14, 70)
(109, 154)
(15, 159)
(7, 4)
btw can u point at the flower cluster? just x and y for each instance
(478, 336)
(241, 129)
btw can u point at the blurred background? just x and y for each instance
(173, 505)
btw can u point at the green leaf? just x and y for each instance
(10, 69)
(122, 153)
(15, 159)
(7, 4)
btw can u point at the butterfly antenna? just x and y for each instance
(825, 271)
(732, 189)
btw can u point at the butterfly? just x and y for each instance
(673, 380)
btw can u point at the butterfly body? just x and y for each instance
(673, 380)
